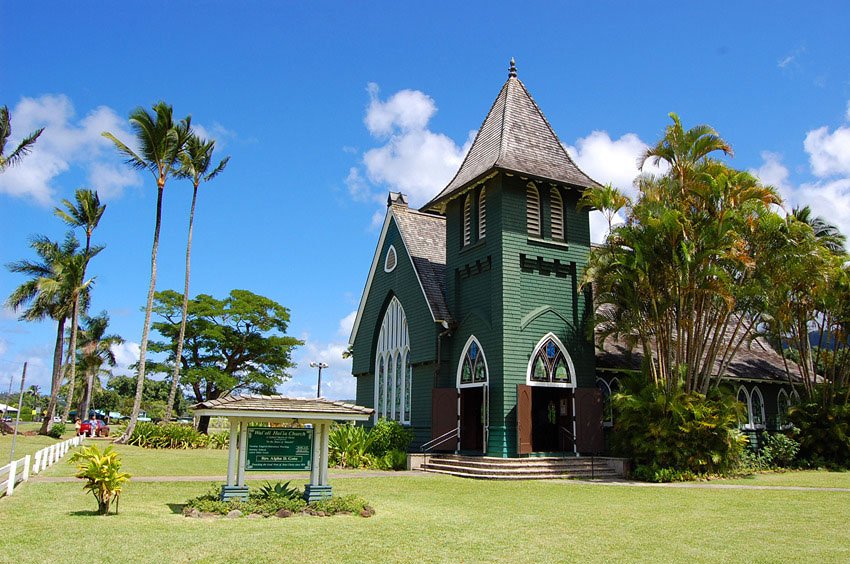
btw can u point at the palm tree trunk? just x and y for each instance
(72, 352)
(143, 348)
(56, 380)
(84, 406)
(178, 357)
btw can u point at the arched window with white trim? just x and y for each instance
(783, 402)
(532, 210)
(394, 374)
(607, 407)
(472, 369)
(556, 212)
(757, 417)
(550, 364)
(744, 398)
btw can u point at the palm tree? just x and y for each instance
(23, 147)
(195, 162)
(49, 292)
(95, 351)
(825, 232)
(160, 141)
(86, 214)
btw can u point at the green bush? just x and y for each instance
(780, 450)
(57, 430)
(654, 473)
(102, 472)
(387, 436)
(174, 435)
(348, 446)
(269, 504)
(673, 433)
(279, 490)
(824, 431)
(392, 460)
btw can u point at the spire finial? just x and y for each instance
(512, 71)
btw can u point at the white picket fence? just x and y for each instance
(19, 471)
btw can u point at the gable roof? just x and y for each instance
(424, 239)
(282, 407)
(514, 137)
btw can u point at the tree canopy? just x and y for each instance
(238, 343)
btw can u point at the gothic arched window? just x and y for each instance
(473, 364)
(394, 375)
(551, 364)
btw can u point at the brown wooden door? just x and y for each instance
(444, 416)
(589, 437)
(523, 418)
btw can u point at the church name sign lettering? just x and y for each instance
(279, 449)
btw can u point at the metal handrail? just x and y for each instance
(440, 440)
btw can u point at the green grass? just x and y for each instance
(25, 445)
(805, 479)
(439, 518)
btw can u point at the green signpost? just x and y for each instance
(279, 449)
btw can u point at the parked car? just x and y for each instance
(101, 429)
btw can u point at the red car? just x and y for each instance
(101, 429)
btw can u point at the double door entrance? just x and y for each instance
(459, 419)
(545, 420)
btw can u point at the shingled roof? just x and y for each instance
(424, 236)
(514, 137)
(758, 361)
(282, 407)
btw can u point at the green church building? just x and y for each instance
(472, 327)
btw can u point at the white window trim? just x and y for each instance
(486, 381)
(393, 341)
(787, 424)
(608, 423)
(390, 252)
(571, 384)
(763, 424)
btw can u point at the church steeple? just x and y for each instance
(515, 137)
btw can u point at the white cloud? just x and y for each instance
(847, 115)
(773, 172)
(829, 153)
(4, 346)
(611, 161)
(785, 61)
(337, 381)
(828, 199)
(66, 143)
(215, 132)
(346, 324)
(126, 353)
(412, 159)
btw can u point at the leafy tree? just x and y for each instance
(154, 395)
(24, 147)
(95, 351)
(161, 141)
(195, 162)
(682, 278)
(86, 213)
(54, 286)
(233, 344)
(103, 475)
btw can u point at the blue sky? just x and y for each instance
(325, 106)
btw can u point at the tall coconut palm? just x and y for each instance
(50, 292)
(825, 232)
(95, 351)
(86, 213)
(23, 147)
(160, 142)
(195, 163)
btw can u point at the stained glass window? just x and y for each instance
(551, 364)
(757, 402)
(392, 365)
(607, 409)
(473, 369)
(782, 405)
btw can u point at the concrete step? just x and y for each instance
(532, 468)
(522, 476)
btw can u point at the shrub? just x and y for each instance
(824, 430)
(387, 436)
(348, 446)
(780, 450)
(654, 473)
(267, 505)
(279, 490)
(174, 435)
(57, 430)
(102, 470)
(675, 432)
(392, 460)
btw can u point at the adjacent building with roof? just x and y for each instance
(472, 327)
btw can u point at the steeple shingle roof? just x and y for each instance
(514, 137)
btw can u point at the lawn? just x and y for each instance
(804, 479)
(433, 518)
(440, 519)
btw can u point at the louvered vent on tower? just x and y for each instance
(532, 210)
(556, 203)
(467, 220)
(482, 213)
